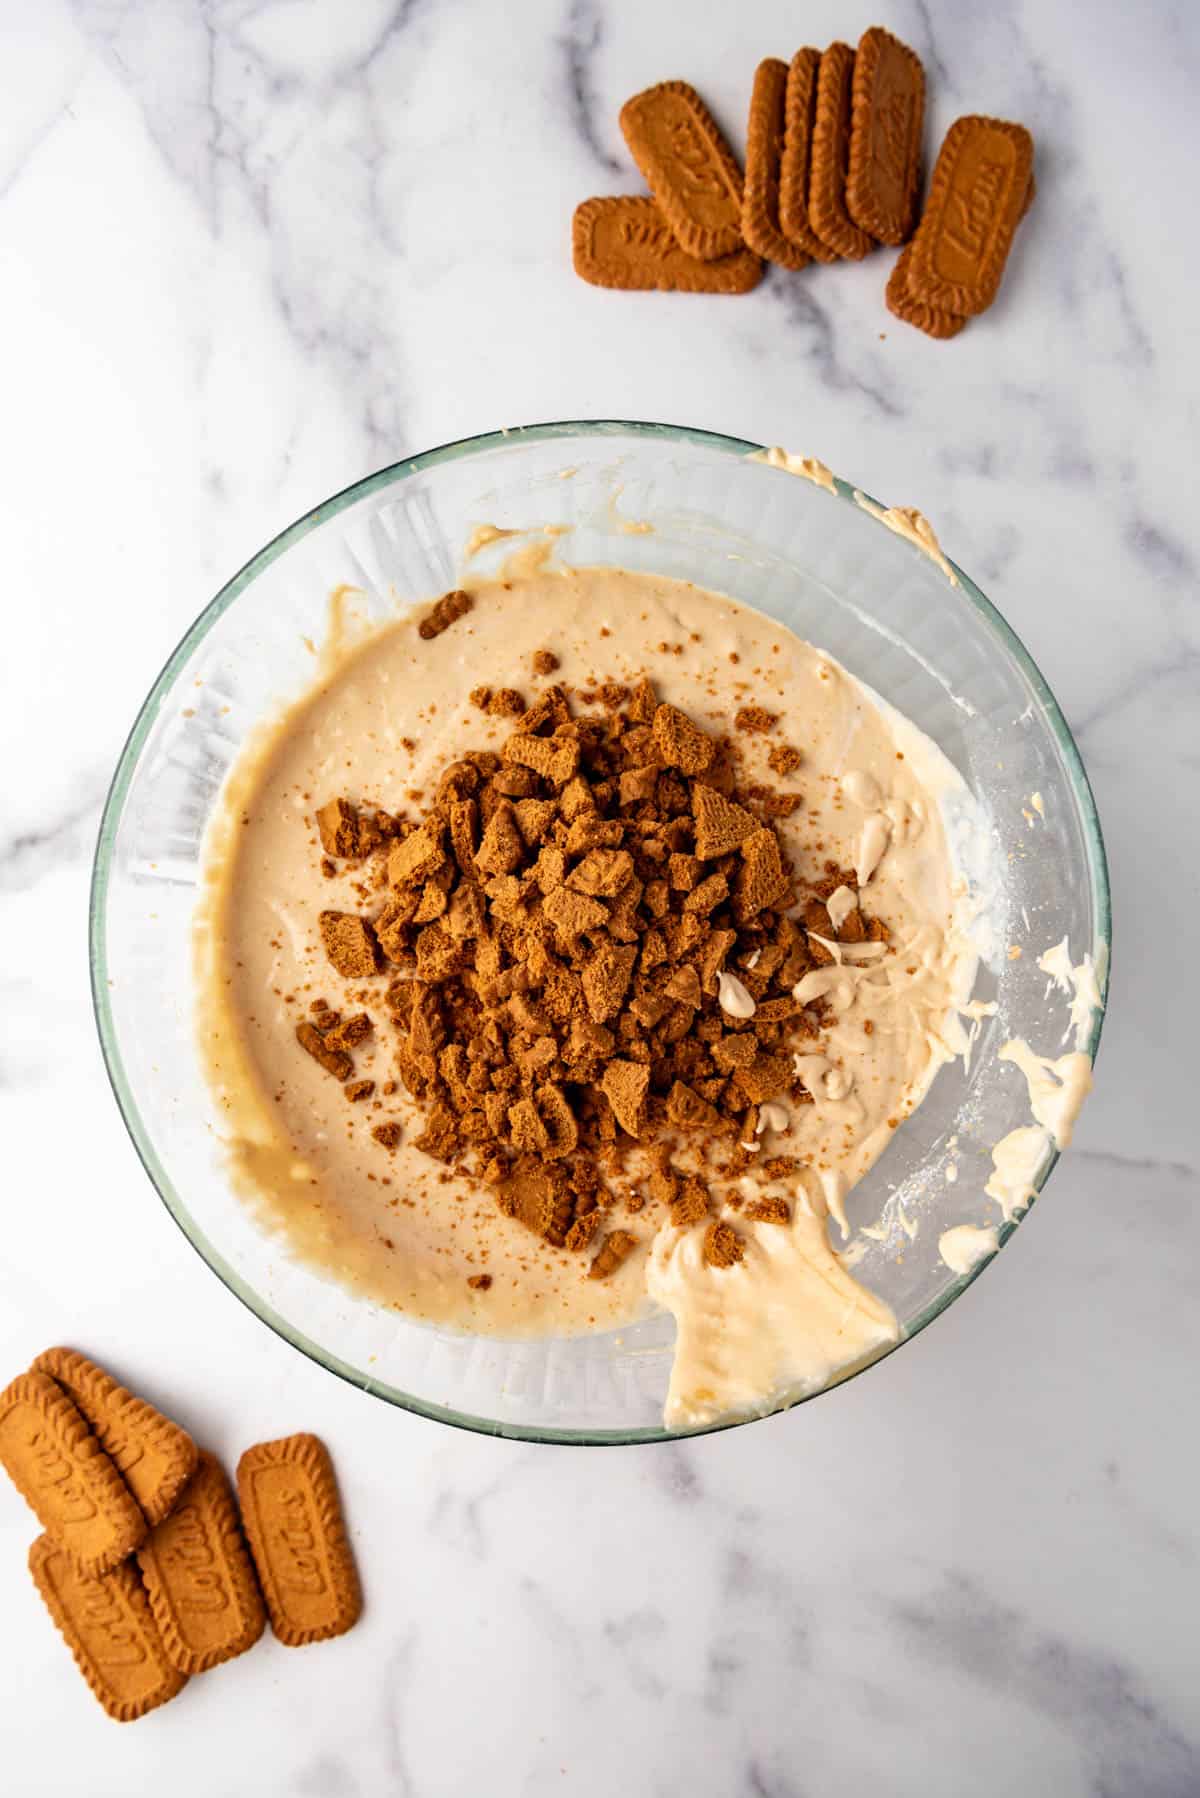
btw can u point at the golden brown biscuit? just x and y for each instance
(977, 197)
(625, 242)
(199, 1577)
(764, 150)
(154, 1456)
(887, 116)
(688, 167)
(107, 1625)
(830, 153)
(64, 1475)
(293, 1521)
(905, 304)
(906, 301)
(799, 108)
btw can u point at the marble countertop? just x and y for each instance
(253, 250)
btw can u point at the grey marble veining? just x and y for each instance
(256, 248)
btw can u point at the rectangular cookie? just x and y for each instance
(905, 304)
(63, 1474)
(887, 117)
(800, 106)
(977, 195)
(625, 242)
(764, 152)
(107, 1625)
(199, 1576)
(153, 1455)
(293, 1521)
(830, 154)
(688, 167)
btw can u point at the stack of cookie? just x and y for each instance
(982, 187)
(687, 238)
(833, 151)
(143, 1565)
(833, 169)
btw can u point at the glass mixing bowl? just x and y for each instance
(815, 560)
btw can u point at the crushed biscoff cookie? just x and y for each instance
(556, 1002)
(446, 612)
(615, 1013)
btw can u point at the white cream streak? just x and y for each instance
(1057, 1089)
(1080, 984)
(966, 1245)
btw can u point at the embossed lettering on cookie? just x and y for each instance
(293, 1520)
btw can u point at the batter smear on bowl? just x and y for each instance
(530, 1006)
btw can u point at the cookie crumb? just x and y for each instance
(691, 1204)
(345, 832)
(769, 1210)
(723, 1247)
(349, 943)
(451, 607)
(680, 743)
(755, 720)
(615, 1249)
(784, 760)
(334, 1061)
(625, 1085)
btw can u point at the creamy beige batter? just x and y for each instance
(388, 712)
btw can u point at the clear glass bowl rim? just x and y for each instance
(126, 769)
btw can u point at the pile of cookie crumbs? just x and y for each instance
(561, 925)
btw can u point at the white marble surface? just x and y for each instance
(252, 250)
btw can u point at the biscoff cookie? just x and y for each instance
(688, 167)
(977, 196)
(800, 103)
(199, 1577)
(887, 116)
(764, 151)
(63, 1474)
(906, 301)
(107, 1625)
(293, 1521)
(154, 1456)
(625, 242)
(935, 321)
(827, 212)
